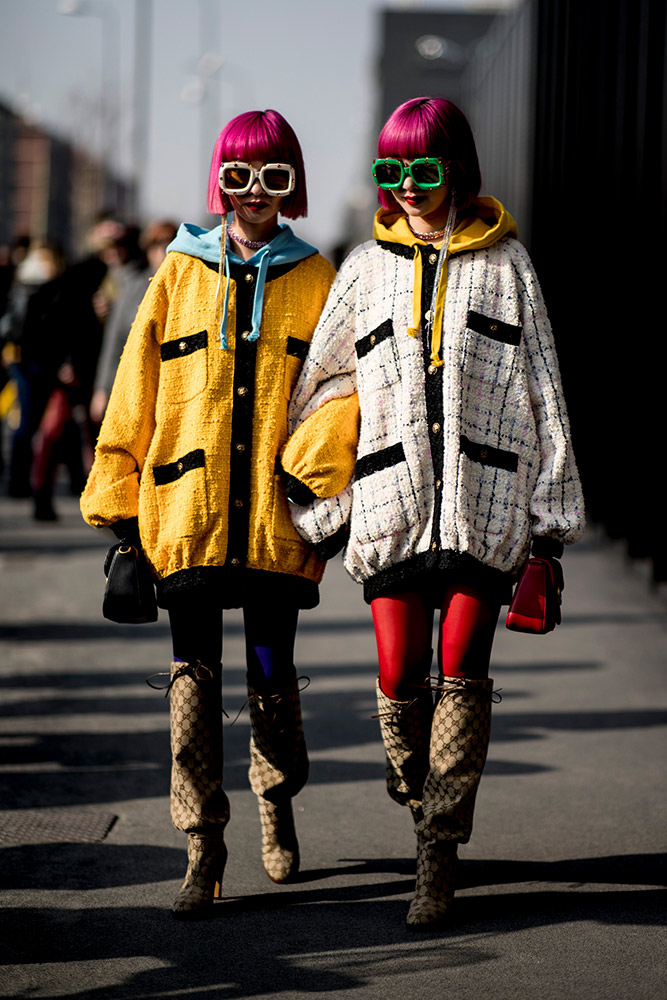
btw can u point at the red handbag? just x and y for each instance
(536, 601)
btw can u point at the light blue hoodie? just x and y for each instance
(285, 248)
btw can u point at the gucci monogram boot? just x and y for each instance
(199, 805)
(406, 733)
(278, 770)
(207, 857)
(459, 744)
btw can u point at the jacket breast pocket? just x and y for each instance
(295, 356)
(490, 348)
(184, 369)
(486, 489)
(384, 501)
(377, 358)
(182, 495)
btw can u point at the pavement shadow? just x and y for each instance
(317, 947)
(326, 939)
(517, 726)
(118, 765)
(84, 766)
(542, 667)
(50, 631)
(77, 866)
(68, 631)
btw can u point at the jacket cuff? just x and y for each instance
(297, 492)
(547, 548)
(128, 530)
(331, 546)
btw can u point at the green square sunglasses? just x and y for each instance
(427, 172)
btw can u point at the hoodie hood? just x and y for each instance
(489, 223)
(284, 248)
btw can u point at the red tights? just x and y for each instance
(403, 629)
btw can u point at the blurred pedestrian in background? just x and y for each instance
(36, 348)
(153, 242)
(8, 262)
(91, 286)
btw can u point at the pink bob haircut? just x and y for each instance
(433, 126)
(258, 135)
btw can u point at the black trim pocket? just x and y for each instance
(297, 348)
(164, 474)
(367, 343)
(495, 329)
(183, 346)
(379, 460)
(486, 455)
(384, 503)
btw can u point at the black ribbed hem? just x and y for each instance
(237, 587)
(547, 548)
(433, 572)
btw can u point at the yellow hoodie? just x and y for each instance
(489, 224)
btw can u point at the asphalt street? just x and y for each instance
(561, 889)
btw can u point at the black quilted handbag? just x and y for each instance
(129, 596)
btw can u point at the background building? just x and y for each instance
(49, 189)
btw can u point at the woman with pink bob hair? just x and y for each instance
(187, 472)
(463, 463)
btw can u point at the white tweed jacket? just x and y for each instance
(459, 467)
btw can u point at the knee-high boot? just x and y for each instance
(199, 805)
(459, 744)
(406, 733)
(278, 770)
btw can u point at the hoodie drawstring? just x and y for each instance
(223, 269)
(437, 311)
(263, 261)
(415, 329)
(258, 300)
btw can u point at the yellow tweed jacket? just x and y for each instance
(192, 435)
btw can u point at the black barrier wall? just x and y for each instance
(568, 104)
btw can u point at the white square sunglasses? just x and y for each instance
(277, 179)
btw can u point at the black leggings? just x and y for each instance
(270, 631)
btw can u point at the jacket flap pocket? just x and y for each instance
(183, 346)
(495, 329)
(169, 473)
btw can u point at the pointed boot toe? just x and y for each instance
(280, 848)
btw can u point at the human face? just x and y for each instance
(256, 208)
(427, 209)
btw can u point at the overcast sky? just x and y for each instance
(312, 60)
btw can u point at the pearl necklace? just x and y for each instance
(428, 237)
(251, 244)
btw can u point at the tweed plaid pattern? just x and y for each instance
(198, 802)
(207, 857)
(499, 390)
(406, 731)
(459, 744)
(278, 771)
